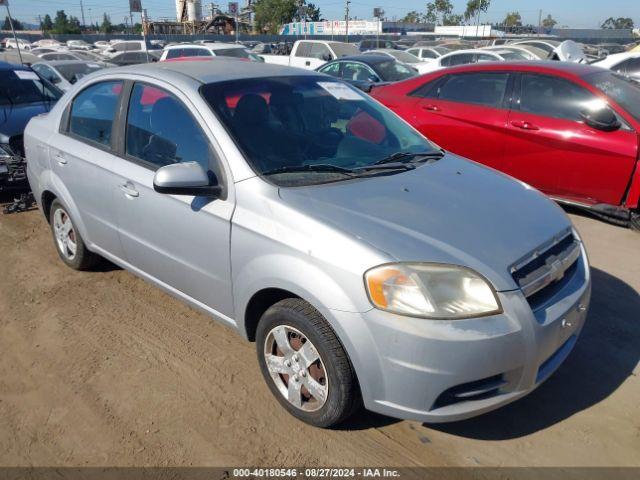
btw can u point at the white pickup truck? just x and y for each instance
(311, 54)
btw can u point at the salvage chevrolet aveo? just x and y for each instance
(368, 265)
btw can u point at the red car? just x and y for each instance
(570, 130)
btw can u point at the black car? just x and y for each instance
(133, 58)
(365, 71)
(23, 95)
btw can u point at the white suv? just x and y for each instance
(207, 50)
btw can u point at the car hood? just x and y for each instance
(14, 118)
(452, 211)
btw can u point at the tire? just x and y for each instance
(308, 336)
(634, 221)
(67, 239)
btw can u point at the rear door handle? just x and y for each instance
(431, 108)
(128, 189)
(60, 159)
(524, 125)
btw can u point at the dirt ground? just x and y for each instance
(100, 368)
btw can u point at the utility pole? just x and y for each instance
(82, 13)
(6, 4)
(539, 22)
(346, 17)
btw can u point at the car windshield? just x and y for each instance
(344, 49)
(623, 90)
(25, 86)
(404, 56)
(393, 71)
(301, 130)
(73, 72)
(232, 52)
(512, 55)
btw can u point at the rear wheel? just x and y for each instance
(305, 365)
(68, 241)
(634, 221)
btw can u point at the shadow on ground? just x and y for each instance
(607, 352)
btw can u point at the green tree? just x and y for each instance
(452, 19)
(313, 13)
(431, 16)
(61, 22)
(474, 7)
(107, 26)
(17, 24)
(617, 23)
(74, 25)
(442, 8)
(549, 22)
(47, 23)
(512, 19)
(271, 14)
(412, 17)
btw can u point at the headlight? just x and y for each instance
(431, 290)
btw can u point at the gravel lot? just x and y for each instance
(100, 368)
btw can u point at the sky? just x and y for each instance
(571, 13)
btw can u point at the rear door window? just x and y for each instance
(303, 50)
(320, 51)
(485, 89)
(459, 59)
(332, 69)
(93, 111)
(357, 72)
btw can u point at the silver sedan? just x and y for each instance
(369, 266)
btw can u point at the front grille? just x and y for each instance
(542, 272)
(17, 145)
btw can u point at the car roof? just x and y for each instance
(209, 45)
(543, 66)
(210, 72)
(58, 63)
(369, 58)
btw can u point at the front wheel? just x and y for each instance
(305, 365)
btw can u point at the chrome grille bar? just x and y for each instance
(553, 269)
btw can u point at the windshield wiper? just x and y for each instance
(321, 167)
(408, 157)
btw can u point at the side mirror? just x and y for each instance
(188, 178)
(373, 79)
(327, 57)
(602, 119)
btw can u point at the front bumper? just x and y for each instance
(441, 371)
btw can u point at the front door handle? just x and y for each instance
(307, 63)
(523, 125)
(129, 190)
(431, 108)
(60, 159)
